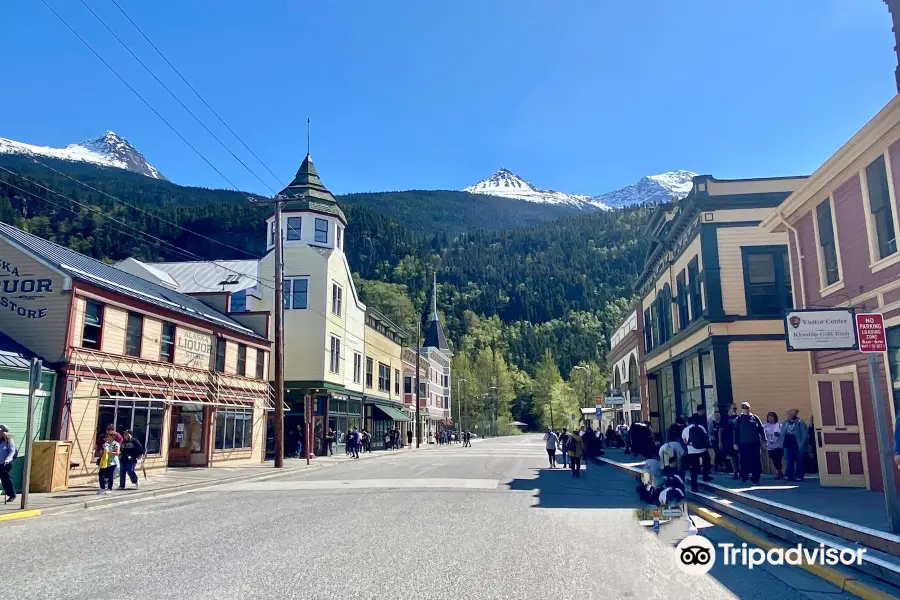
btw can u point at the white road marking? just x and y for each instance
(332, 484)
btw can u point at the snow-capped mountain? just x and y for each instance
(108, 150)
(506, 184)
(652, 189)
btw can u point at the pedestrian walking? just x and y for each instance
(731, 456)
(131, 452)
(109, 460)
(355, 439)
(622, 431)
(696, 438)
(774, 449)
(563, 441)
(468, 439)
(715, 437)
(794, 437)
(575, 449)
(551, 441)
(8, 454)
(748, 436)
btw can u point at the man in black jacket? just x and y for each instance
(132, 450)
(748, 437)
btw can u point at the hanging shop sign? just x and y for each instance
(820, 329)
(21, 291)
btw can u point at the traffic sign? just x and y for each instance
(870, 330)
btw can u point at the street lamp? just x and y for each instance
(458, 404)
(586, 368)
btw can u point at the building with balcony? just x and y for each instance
(187, 378)
(713, 292)
(626, 369)
(842, 226)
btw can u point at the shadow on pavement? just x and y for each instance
(598, 487)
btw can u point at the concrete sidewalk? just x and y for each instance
(173, 480)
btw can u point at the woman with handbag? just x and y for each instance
(109, 460)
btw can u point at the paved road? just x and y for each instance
(448, 522)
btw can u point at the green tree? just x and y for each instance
(588, 380)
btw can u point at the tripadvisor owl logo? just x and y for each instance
(695, 555)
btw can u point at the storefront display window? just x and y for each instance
(141, 415)
(709, 383)
(666, 397)
(690, 385)
(234, 428)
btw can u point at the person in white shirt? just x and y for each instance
(552, 440)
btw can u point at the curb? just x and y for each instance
(837, 578)
(168, 491)
(20, 514)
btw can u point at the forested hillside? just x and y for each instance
(557, 285)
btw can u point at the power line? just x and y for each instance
(135, 92)
(171, 93)
(196, 93)
(138, 208)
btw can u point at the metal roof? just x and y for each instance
(214, 276)
(83, 268)
(15, 355)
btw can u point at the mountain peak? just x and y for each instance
(108, 150)
(506, 184)
(651, 189)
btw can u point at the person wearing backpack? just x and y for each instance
(748, 437)
(696, 438)
(8, 454)
(575, 449)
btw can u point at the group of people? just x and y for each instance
(117, 451)
(732, 445)
(572, 445)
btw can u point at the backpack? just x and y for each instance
(698, 437)
(667, 454)
(570, 444)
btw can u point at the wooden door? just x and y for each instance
(839, 437)
(179, 438)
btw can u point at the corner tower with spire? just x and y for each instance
(438, 356)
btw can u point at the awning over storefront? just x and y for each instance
(392, 413)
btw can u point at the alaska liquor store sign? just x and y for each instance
(820, 329)
(21, 291)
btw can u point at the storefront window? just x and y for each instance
(140, 415)
(234, 428)
(690, 384)
(893, 342)
(666, 397)
(709, 383)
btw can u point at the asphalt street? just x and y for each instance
(490, 521)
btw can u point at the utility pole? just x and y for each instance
(885, 439)
(34, 384)
(279, 342)
(418, 392)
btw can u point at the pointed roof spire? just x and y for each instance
(434, 335)
(310, 193)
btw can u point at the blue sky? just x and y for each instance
(576, 95)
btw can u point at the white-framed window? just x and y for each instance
(294, 224)
(384, 378)
(881, 220)
(339, 237)
(242, 360)
(92, 333)
(234, 428)
(272, 233)
(337, 299)
(167, 343)
(141, 415)
(827, 243)
(335, 366)
(321, 236)
(397, 382)
(357, 367)
(134, 334)
(296, 293)
(370, 366)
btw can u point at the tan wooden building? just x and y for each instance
(187, 378)
(713, 292)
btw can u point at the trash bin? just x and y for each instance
(50, 466)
